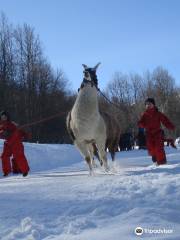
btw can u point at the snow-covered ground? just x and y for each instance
(58, 200)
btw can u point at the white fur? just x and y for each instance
(88, 125)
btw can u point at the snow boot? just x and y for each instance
(25, 174)
(154, 159)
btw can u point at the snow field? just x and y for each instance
(60, 201)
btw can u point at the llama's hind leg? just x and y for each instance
(83, 148)
(112, 155)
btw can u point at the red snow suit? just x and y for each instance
(13, 147)
(151, 120)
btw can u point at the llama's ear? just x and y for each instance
(97, 65)
(85, 66)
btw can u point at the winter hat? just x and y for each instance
(5, 113)
(150, 100)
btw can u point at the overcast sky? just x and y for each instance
(124, 35)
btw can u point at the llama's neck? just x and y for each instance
(87, 100)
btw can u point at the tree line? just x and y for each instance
(31, 89)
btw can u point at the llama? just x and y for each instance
(85, 123)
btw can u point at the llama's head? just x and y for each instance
(90, 75)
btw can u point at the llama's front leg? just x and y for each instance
(84, 151)
(103, 157)
(93, 164)
(89, 162)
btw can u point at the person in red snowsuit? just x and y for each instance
(151, 120)
(13, 147)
